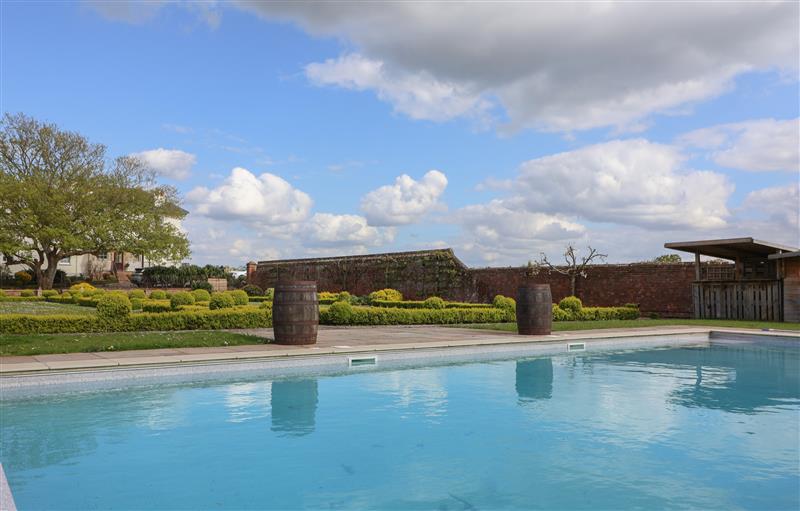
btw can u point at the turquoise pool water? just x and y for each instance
(694, 427)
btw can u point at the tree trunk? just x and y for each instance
(37, 271)
(572, 279)
(49, 273)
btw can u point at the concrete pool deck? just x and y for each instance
(340, 340)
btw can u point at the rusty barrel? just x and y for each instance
(295, 312)
(534, 309)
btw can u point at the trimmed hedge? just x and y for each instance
(22, 299)
(419, 304)
(156, 306)
(240, 317)
(258, 299)
(336, 315)
(388, 294)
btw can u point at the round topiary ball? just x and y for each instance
(434, 302)
(158, 295)
(181, 298)
(113, 306)
(49, 292)
(571, 304)
(239, 297)
(221, 301)
(340, 313)
(201, 295)
(27, 293)
(137, 293)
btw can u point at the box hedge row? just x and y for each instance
(240, 317)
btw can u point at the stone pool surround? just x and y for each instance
(400, 347)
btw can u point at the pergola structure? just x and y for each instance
(752, 288)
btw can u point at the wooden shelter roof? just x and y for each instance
(730, 248)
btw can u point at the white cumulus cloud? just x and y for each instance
(780, 204)
(757, 145)
(552, 66)
(404, 202)
(417, 95)
(327, 229)
(633, 182)
(267, 199)
(172, 163)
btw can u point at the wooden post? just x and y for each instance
(697, 266)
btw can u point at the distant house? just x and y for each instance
(91, 265)
(95, 265)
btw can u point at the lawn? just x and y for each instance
(42, 308)
(561, 326)
(40, 344)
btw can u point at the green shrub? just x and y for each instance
(167, 294)
(416, 304)
(158, 295)
(22, 298)
(398, 316)
(63, 298)
(2, 293)
(653, 315)
(86, 301)
(344, 296)
(136, 304)
(339, 313)
(505, 303)
(390, 295)
(244, 317)
(181, 298)
(156, 306)
(113, 306)
(259, 299)
(23, 276)
(560, 314)
(571, 304)
(253, 290)
(434, 302)
(221, 301)
(201, 295)
(631, 305)
(270, 293)
(137, 293)
(48, 292)
(239, 297)
(27, 293)
(81, 287)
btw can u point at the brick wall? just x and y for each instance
(661, 288)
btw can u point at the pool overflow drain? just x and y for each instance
(363, 361)
(576, 346)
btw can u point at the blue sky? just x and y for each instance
(544, 126)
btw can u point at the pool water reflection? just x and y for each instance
(702, 427)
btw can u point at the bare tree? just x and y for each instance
(573, 267)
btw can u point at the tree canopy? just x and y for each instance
(60, 196)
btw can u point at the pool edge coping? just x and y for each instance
(154, 361)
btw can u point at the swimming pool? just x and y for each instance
(700, 425)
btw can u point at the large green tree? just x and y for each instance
(60, 196)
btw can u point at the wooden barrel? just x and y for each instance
(534, 309)
(295, 312)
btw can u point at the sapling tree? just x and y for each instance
(575, 266)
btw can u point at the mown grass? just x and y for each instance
(562, 326)
(43, 308)
(41, 344)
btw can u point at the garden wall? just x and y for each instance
(661, 288)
